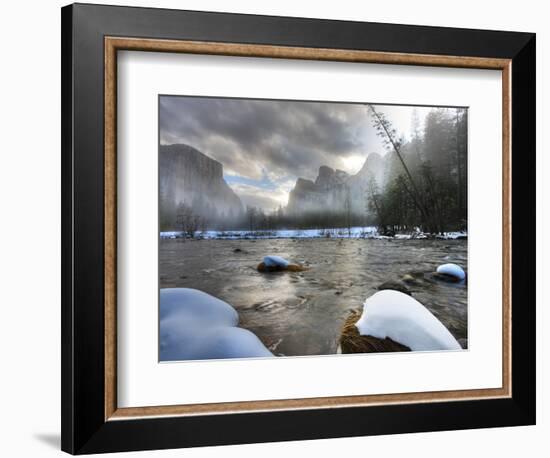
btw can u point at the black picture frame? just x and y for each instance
(84, 428)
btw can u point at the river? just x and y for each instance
(298, 314)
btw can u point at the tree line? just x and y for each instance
(426, 185)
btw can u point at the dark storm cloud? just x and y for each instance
(254, 137)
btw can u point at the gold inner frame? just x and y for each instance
(114, 44)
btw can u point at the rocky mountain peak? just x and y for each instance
(303, 184)
(329, 177)
(332, 187)
(372, 164)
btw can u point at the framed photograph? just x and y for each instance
(282, 228)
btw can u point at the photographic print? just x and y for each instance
(301, 228)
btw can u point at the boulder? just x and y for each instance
(262, 267)
(450, 272)
(394, 315)
(353, 342)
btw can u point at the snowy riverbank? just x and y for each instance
(357, 232)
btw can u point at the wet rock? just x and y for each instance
(416, 274)
(396, 286)
(413, 280)
(280, 268)
(446, 278)
(352, 342)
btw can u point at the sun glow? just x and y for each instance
(352, 164)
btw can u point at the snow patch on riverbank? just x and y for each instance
(357, 232)
(195, 325)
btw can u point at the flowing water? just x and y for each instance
(296, 314)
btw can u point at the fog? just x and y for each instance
(265, 145)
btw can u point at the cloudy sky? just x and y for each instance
(266, 145)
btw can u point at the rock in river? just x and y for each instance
(450, 272)
(392, 321)
(396, 286)
(279, 264)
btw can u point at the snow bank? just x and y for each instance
(196, 325)
(355, 232)
(403, 319)
(275, 261)
(452, 235)
(452, 270)
(170, 235)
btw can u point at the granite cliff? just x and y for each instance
(190, 178)
(332, 188)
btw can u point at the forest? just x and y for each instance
(426, 181)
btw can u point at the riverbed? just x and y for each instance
(298, 314)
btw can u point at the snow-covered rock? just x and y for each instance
(403, 319)
(278, 264)
(275, 261)
(196, 325)
(452, 270)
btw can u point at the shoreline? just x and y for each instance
(331, 233)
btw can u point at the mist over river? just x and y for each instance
(301, 313)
